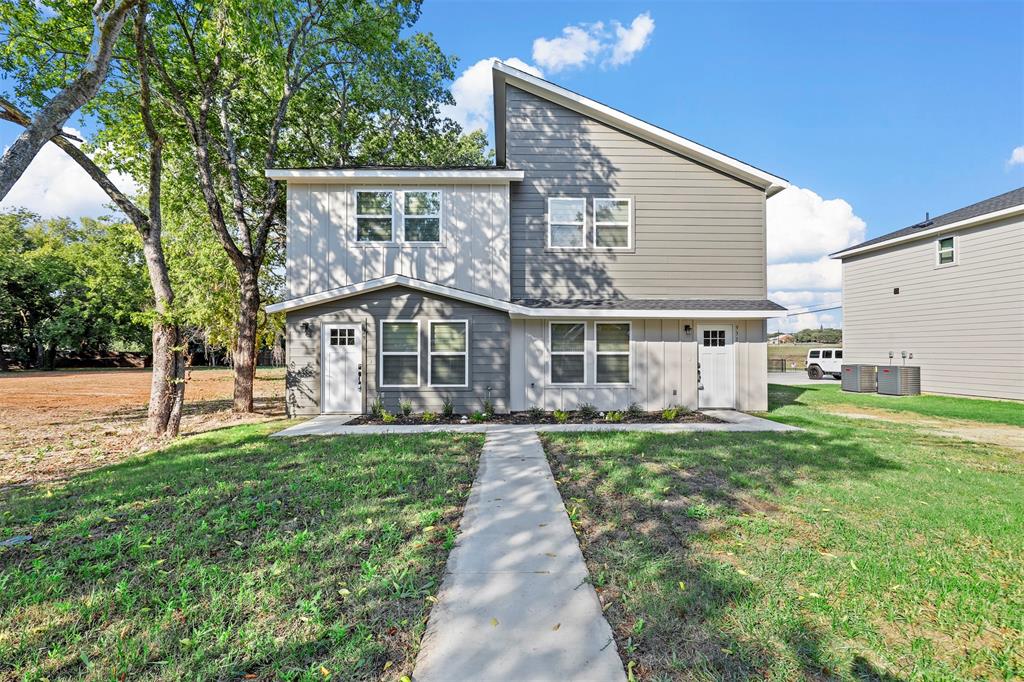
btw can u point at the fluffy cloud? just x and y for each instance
(583, 44)
(473, 94)
(823, 274)
(1016, 157)
(55, 186)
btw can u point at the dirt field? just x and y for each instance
(56, 424)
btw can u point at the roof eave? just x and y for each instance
(370, 175)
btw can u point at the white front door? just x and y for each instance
(342, 387)
(717, 358)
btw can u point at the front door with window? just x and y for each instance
(716, 355)
(342, 368)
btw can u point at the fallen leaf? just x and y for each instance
(388, 664)
(682, 586)
(853, 565)
(343, 592)
(494, 622)
(814, 594)
(555, 628)
(432, 599)
(325, 672)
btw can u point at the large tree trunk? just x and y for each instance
(245, 344)
(168, 385)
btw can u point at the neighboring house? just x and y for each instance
(949, 290)
(781, 338)
(602, 260)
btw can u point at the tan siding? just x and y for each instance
(964, 324)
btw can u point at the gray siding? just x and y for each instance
(698, 233)
(664, 367)
(488, 348)
(964, 323)
(323, 254)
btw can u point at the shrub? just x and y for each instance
(536, 413)
(488, 407)
(479, 416)
(634, 410)
(614, 417)
(561, 416)
(447, 408)
(387, 417)
(428, 417)
(377, 407)
(587, 411)
(670, 413)
(406, 407)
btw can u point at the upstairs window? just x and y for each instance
(374, 219)
(421, 216)
(946, 250)
(566, 223)
(568, 353)
(612, 223)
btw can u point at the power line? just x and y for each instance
(813, 310)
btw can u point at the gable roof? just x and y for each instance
(1000, 206)
(412, 174)
(503, 74)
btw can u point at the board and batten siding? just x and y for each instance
(323, 254)
(488, 350)
(664, 367)
(963, 323)
(698, 233)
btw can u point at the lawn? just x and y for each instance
(858, 549)
(233, 556)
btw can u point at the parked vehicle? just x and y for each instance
(822, 361)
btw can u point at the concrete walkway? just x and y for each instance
(514, 604)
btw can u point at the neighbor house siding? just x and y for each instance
(323, 254)
(488, 348)
(664, 367)
(698, 233)
(963, 323)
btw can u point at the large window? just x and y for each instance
(374, 216)
(568, 353)
(946, 253)
(449, 357)
(399, 353)
(612, 223)
(421, 216)
(613, 352)
(566, 223)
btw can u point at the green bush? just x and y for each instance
(670, 413)
(536, 413)
(479, 416)
(377, 408)
(634, 410)
(587, 411)
(428, 417)
(614, 417)
(387, 417)
(561, 416)
(406, 407)
(488, 407)
(447, 408)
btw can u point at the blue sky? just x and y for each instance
(878, 112)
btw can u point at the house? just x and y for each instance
(781, 339)
(602, 260)
(950, 291)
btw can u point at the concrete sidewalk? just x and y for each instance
(515, 603)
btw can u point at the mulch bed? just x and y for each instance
(547, 418)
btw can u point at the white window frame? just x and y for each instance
(628, 224)
(552, 353)
(583, 225)
(431, 353)
(938, 251)
(358, 215)
(628, 353)
(383, 353)
(438, 215)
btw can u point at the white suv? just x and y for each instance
(822, 361)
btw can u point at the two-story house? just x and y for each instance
(602, 260)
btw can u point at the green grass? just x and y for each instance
(854, 550)
(946, 407)
(231, 554)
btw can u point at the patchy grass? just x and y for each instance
(854, 550)
(230, 555)
(947, 407)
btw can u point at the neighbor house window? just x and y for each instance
(421, 216)
(374, 211)
(568, 348)
(613, 352)
(399, 353)
(947, 250)
(566, 223)
(612, 223)
(449, 357)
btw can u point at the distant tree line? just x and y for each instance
(826, 335)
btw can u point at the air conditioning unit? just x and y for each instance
(894, 380)
(859, 378)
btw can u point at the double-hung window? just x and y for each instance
(374, 215)
(568, 352)
(399, 353)
(421, 216)
(567, 223)
(946, 251)
(449, 357)
(612, 223)
(613, 352)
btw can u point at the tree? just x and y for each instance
(50, 118)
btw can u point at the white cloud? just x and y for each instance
(577, 46)
(473, 94)
(803, 226)
(55, 186)
(820, 275)
(1016, 157)
(631, 40)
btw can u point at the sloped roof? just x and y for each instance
(631, 304)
